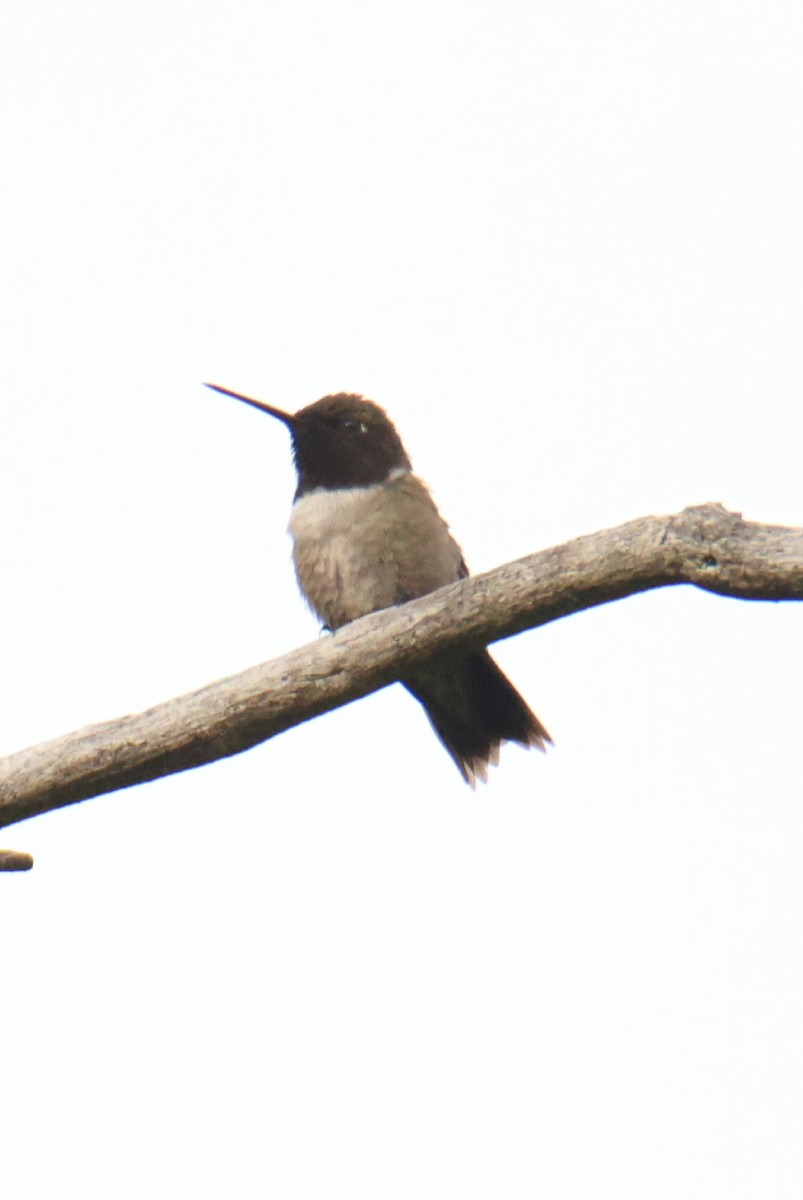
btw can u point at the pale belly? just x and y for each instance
(357, 550)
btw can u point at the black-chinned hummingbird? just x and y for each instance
(366, 536)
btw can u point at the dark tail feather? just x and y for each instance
(473, 708)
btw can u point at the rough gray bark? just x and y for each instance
(706, 546)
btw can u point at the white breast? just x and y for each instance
(323, 514)
(357, 550)
(336, 558)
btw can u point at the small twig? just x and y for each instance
(15, 860)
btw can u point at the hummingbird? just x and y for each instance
(366, 536)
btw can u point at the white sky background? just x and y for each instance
(561, 243)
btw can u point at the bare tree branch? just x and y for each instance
(706, 546)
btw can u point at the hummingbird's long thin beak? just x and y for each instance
(287, 418)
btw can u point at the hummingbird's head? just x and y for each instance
(341, 441)
(345, 441)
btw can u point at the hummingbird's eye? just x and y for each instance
(353, 425)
